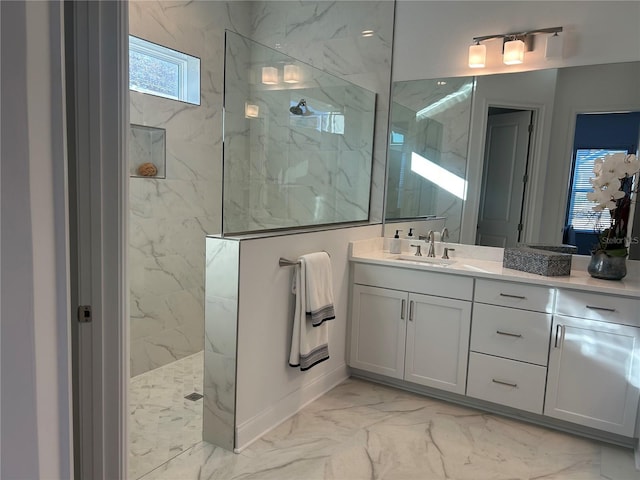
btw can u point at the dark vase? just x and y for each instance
(607, 268)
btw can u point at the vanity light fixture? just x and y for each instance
(269, 75)
(367, 33)
(514, 46)
(291, 74)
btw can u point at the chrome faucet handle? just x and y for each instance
(431, 239)
(418, 252)
(445, 255)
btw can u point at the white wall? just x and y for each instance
(432, 38)
(268, 389)
(36, 384)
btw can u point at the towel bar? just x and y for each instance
(283, 262)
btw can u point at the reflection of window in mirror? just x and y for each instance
(596, 135)
(164, 72)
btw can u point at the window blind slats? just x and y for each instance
(581, 215)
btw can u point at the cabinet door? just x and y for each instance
(378, 330)
(593, 374)
(438, 342)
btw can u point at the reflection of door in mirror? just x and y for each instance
(500, 216)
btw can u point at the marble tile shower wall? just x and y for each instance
(170, 217)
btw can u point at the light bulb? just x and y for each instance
(477, 56)
(554, 47)
(251, 110)
(291, 74)
(269, 75)
(513, 52)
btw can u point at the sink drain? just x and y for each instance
(193, 396)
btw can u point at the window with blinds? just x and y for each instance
(581, 215)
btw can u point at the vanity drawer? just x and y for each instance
(515, 295)
(595, 306)
(511, 333)
(417, 281)
(507, 382)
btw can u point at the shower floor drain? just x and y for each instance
(193, 396)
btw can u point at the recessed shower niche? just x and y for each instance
(147, 151)
(298, 142)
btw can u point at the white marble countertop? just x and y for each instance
(488, 264)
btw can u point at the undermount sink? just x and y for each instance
(443, 262)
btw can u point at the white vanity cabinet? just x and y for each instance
(557, 349)
(594, 361)
(378, 330)
(399, 330)
(510, 344)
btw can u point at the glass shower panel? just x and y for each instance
(298, 142)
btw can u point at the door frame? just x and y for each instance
(99, 51)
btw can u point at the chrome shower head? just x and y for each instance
(297, 110)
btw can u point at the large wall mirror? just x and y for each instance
(428, 144)
(474, 132)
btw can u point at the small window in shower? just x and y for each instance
(164, 72)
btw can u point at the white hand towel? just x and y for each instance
(309, 343)
(319, 287)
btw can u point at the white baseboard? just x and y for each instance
(254, 428)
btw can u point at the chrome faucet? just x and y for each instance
(444, 235)
(431, 240)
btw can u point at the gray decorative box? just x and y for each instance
(538, 261)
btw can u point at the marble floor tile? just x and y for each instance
(162, 423)
(362, 430)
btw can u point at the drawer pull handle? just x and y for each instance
(514, 385)
(518, 335)
(411, 311)
(604, 309)
(519, 297)
(404, 302)
(559, 330)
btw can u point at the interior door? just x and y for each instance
(504, 179)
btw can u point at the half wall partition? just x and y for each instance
(298, 146)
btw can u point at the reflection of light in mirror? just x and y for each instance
(613, 351)
(251, 111)
(445, 102)
(438, 175)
